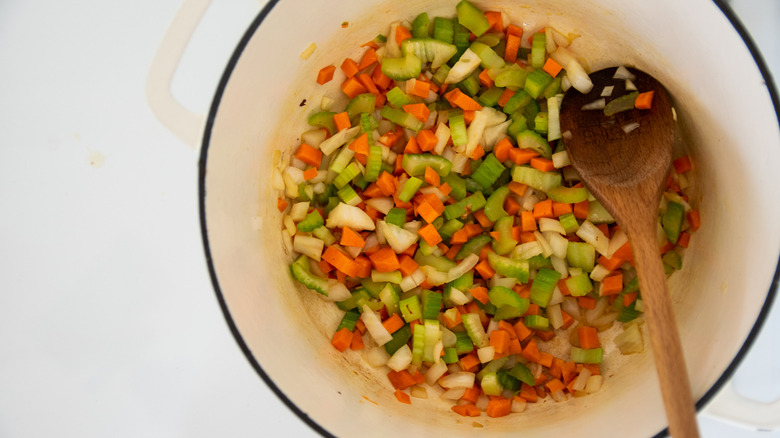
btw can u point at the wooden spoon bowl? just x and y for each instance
(625, 166)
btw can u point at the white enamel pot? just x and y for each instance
(727, 110)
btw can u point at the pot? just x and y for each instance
(727, 114)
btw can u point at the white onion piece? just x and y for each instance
(598, 104)
(374, 326)
(518, 404)
(377, 357)
(581, 380)
(458, 298)
(561, 159)
(628, 127)
(454, 393)
(462, 379)
(383, 204)
(435, 372)
(623, 73)
(401, 359)
(630, 86)
(607, 90)
(594, 384)
(591, 234)
(337, 291)
(578, 77)
(619, 239)
(465, 265)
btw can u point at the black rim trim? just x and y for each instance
(204, 234)
(703, 401)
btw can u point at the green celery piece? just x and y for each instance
(457, 184)
(346, 175)
(470, 85)
(522, 373)
(532, 109)
(494, 207)
(396, 216)
(418, 344)
(312, 221)
(620, 104)
(443, 29)
(531, 140)
(421, 26)
(461, 38)
(672, 221)
(491, 367)
(490, 385)
(374, 162)
(543, 286)
(362, 103)
(325, 235)
(536, 82)
(568, 195)
(458, 128)
(389, 297)
(506, 242)
(581, 255)
(543, 181)
(429, 50)
(512, 78)
(398, 98)
(415, 164)
(367, 124)
(441, 74)
(432, 335)
(475, 330)
(579, 285)
(554, 87)
(503, 297)
(425, 249)
(468, 204)
(569, 222)
(440, 263)
(489, 57)
(507, 381)
(518, 101)
(536, 322)
(402, 118)
(491, 96)
(538, 49)
(431, 304)
(541, 122)
(539, 261)
(509, 267)
(349, 320)
(489, 171)
(597, 214)
(410, 308)
(473, 246)
(628, 313)
(463, 343)
(472, 18)
(302, 273)
(673, 259)
(400, 338)
(349, 195)
(323, 119)
(374, 288)
(449, 228)
(586, 355)
(401, 69)
(518, 125)
(450, 355)
(410, 188)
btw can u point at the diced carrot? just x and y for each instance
(624, 252)
(310, 173)
(527, 221)
(445, 189)
(351, 238)
(430, 235)
(694, 219)
(629, 298)
(385, 260)
(485, 79)
(517, 188)
(511, 206)
(364, 266)
(421, 89)
(349, 67)
(426, 139)
(611, 264)
(368, 59)
(386, 183)
(499, 407)
(480, 293)
(468, 116)
(407, 265)
(451, 322)
(393, 323)
(495, 21)
(560, 208)
(580, 209)
(514, 30)
(352, 87)
(309, 155)
(528, 393)
(527, 236)
(471, 394)
(543, 164)
(412, 147)
(402, 34)
(432, 177)
(554, 385)
(502, 148)
(325, 74)
(552, 67)
(611, 285)
(459, 99)
(401, 379)
(531, 351)
(499, 339)
(342, 339)
(684, 240)
(360, 144)
(467, 410)
(402, 397)
(484, 270)
(512, 46)
(546, 359)
(682, 164)
(367, 82)
(644, 100)
(522, 156)
(341, 261)
(380, 79)
(543, 209)
(342, 121)
(470, 361)
(482, 218)
(419, 110)
(357, 341)
(281, 204)
(505, 96)
(477, 153)
(568, 320)
(427, 212)
(588, 336)
(587, 302)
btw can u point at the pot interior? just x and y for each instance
(726, 118)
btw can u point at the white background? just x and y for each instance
(108, 322)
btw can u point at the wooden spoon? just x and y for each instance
(627, 173)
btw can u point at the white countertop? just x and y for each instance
(109, 325)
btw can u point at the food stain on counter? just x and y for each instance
(96, 159)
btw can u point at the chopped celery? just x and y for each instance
(490, 385)
(396, 216)
(473, 246)
(415, 164)
(531, 140)
(443, 29)
(401, 118)
(586, 355)
(538, 50)
(398, 98)
(449, 228)
(536, 82)
(349, 320)
(581, 255)
(410, 308)
(518, 101)
(506, 241)
(494, 206)
(490, 59)
(431, 303)
(512, 78)
(410, 187)
(569, 222)
(468, 204)
(507, 380)
(543, 285)
(374, 162)
(490, 96)
(509, 267)
(508, 302)
(463, 343)
(474, 328)
(457, 185)
(362, 103)
(389, 297)
(349, 196)
(672, 221)
(542, 181)
(579, 285)
(489, 171)
(472, 17)
(536, 322)
(429, 50)
(421, 26)
(400, 338)
(347, 175)
(401, 69)
(312, 221)
(522, 373)
(323, 119)
(418, 344)
(302, 273)
(458, 130)
(568, 195)
(620, 104)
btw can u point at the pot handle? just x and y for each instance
(732, 407)
(185, 124)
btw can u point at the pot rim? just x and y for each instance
(261, 16)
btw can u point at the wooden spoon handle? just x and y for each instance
(665, 338)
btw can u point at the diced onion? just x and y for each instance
(623, 73)
(458, 298)
(598, 104)
(374, 326)
(466, 265)
(486, 354)
(435, 372)
(344, 215)
(377, 357)
(454, 393)
(461, 379)
(401, 359)
(591, 234)
(581, 380)
(628, 127)
(578, 77)
(607, 90)
(310, 246)
(594, 383)
(383, 204)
